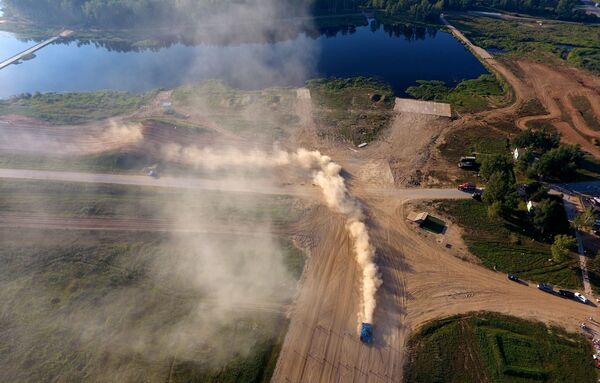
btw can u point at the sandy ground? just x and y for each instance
(554, 87)
(422, 279)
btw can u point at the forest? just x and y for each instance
(127, 13)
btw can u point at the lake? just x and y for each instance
(397, 55)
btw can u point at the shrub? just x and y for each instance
(562, 247)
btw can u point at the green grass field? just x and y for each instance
(509, 246)
(474, 139)
(492, 347)
(74, 108)
(577, 44)
(354, 110)
(469, 96)
(98, 306)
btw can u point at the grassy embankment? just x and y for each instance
(468, 96)
(84, 306)
(576, 44)
(355, 109)
(263, 115)
(584, 107)
(493, 347)
(510, 245)
(74, 108)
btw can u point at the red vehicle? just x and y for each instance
(467, 186)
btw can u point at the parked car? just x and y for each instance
(546, 287)
(566, 294)
(512, 277)
(581, 298)
(477, 196)
(467, 163)
(467, 186)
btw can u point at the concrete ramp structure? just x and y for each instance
(422, 107)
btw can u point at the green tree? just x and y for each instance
(540, 139)
(585, 219)
(549, 218)
(559, 163)
(497, 188)
(562, 247)
(494, 211)
(497, 163)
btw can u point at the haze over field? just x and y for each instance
(229, 279)
(325, 173)
(271, 206)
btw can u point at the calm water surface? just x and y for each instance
(399, 56)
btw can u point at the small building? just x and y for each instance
(531, 206)
(417, 218)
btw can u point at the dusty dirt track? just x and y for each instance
(422, 281)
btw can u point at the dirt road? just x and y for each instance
(421, 282)
(554, 86)
(246, 186)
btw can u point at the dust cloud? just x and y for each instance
(202, 294)
(126, 134)
(325, 173)
(62, 141)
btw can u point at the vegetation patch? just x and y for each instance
(468, 96)
(532, 107)
(484, 346)
(74, 108)
(578, 44)
(474, 139)
(584, 107)
(588, 58)
(511, 245)
(355, 109)
(92, 305)
(262, 114)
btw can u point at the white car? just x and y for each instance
(581, 298)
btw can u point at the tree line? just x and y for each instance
(126, 13)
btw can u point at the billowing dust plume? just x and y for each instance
(42, 139)
(325, 173)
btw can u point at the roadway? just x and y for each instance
(590, 8)
(225, 185)
(33, 49)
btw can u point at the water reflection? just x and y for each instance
(283, 56)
